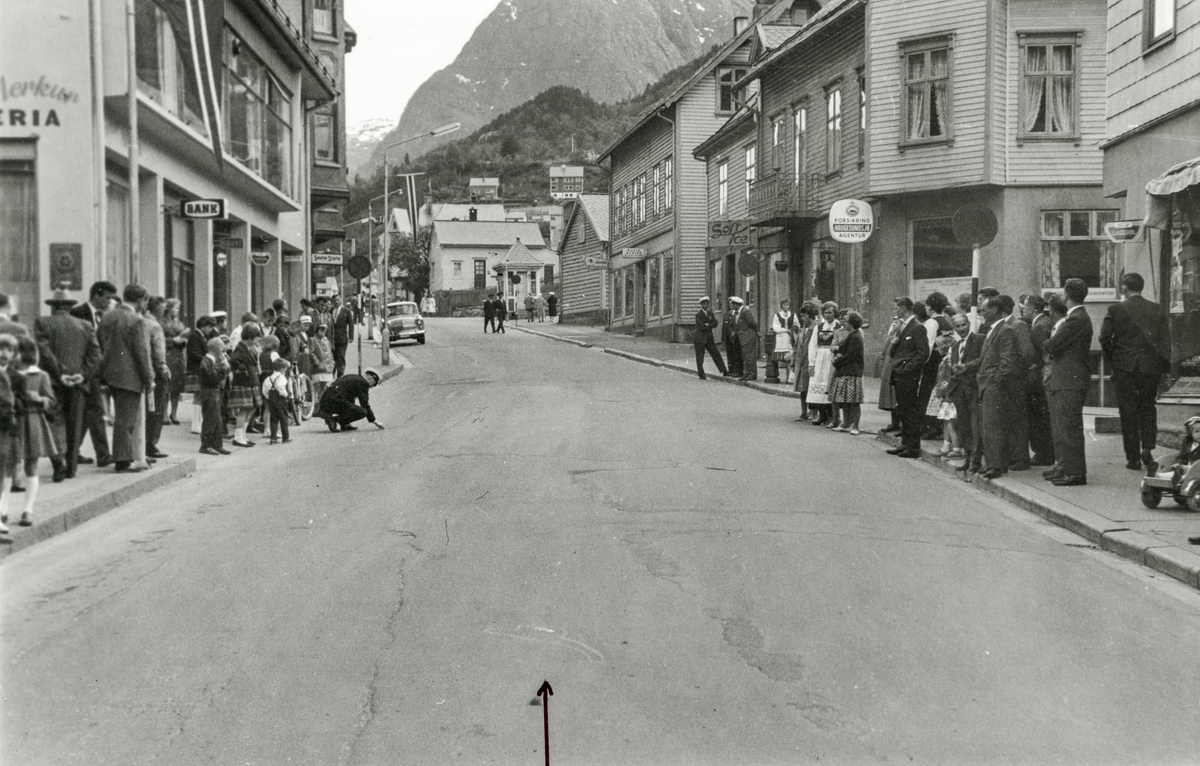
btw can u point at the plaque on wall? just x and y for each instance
(66, 265)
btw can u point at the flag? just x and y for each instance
(198, 26)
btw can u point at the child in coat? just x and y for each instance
(10, 447)
(34, 398)
(213, 371)
(277, 394)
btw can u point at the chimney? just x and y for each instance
(474, 213)
(739, 24)
(761, 7)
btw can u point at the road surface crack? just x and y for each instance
(370, 706)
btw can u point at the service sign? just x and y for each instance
(851, 220)
(328, 259)
(593, 262)
(202, 208)
(628, 256)
(1124, 231)
(260, 258)
(729, 233)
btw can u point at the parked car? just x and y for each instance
(404, 322)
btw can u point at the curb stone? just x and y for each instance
(89, 508)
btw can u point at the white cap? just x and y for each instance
(735, 299)
(704, 299)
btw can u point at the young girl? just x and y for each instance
(940, 405)
(277, 393)
(807, 315)
(33, 395)
(10, 448)
(243, 391)
(323, 362)
(846, 391)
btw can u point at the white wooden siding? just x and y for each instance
(1140, 87)
(940, 165)
(639, 153)
(581, 287)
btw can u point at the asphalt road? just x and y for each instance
(700, 579)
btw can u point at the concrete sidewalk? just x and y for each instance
(1107, 512)
(94, 491)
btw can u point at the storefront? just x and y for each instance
(643, 287)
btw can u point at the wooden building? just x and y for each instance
(584, 254)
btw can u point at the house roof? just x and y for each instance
(558, 171)
(498, 234)
(703, 71)
(518, 258)
(771, 36)
(449, 211)
(484, 182)
(734, 128)
(830, 12)
(595, 210)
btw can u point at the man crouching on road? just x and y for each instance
(347, 401)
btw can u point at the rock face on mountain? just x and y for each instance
(610, 49)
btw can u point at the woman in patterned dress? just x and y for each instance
(244, 394)
(820, 362)
(846, 392)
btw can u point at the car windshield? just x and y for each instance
(402, 310)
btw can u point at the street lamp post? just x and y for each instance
(385, 336)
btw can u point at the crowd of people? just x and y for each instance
(495, 310)
(1000, 382)
(124, 363)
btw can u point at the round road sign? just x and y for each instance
(359, 267)
(747, 264)
(974, 225)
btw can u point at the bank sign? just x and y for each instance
(851, 220)
(202, 208)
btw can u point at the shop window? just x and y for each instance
(1159, 18)
(833, 130)
(19, 223)
(668, 283)
(926, 96)
(630, 291)
(1074, 246)
(118, 241)
(258, 131)
(618, 298)
(939, 261)
(654, 286)
(1049, 104)
(323, 12)
(722, 187)
(726, 98)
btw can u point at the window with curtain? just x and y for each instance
(164, 74)
(833, 130)
(323, 16)
(630, 295)
(722, 187)
(18, 217)
(654, 286)
(1048, 104)
(927, 92)
(1074, 246)
(325, 133)
(777, 149)
(751, 169)
(800, 132)
(668, 282)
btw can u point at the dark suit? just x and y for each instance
(500, 307)
(998, 370)
(1070, 374)
(733, 347)
(1136, 343)
(1040, 439)
(702, 339)
(747, 334)
(73, 345)
(1017, 420)
(909, 352)
(128, 371)
(964, 390)
(489, 315)
(343, 333)
(93, 404)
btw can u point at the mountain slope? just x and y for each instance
(609, 49)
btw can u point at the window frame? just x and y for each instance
(726, 77)
(1048, 40)
(800, 141)
(834, 131)
(926, 45)
(1097, 218)
(332, 16)
(862, 114)
(751, 168)
(723, 187)
(1151, 41)
(669, 183)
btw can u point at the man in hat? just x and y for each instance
(747, 335)
(347, 400)
(489, 314)
(733, 347)
(343, 333)
(702, 338)
(72, 343)
(100, 299)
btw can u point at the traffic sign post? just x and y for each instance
(975, 225)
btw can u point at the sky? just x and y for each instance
(400, 44)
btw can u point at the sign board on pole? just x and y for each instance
(747, 263)
(851, 220)
(359, 267)
(202, 208)
(1124, 231)
(974, 225)
(729, 233)
(328, 259)
(260, 258)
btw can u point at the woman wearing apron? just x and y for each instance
(820, 362)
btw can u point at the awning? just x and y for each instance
(1176, 179)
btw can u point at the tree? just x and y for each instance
(410, 258)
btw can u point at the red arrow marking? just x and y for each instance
(545, 692)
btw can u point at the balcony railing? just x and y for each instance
(780, 196)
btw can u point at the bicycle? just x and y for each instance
(302, 402)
